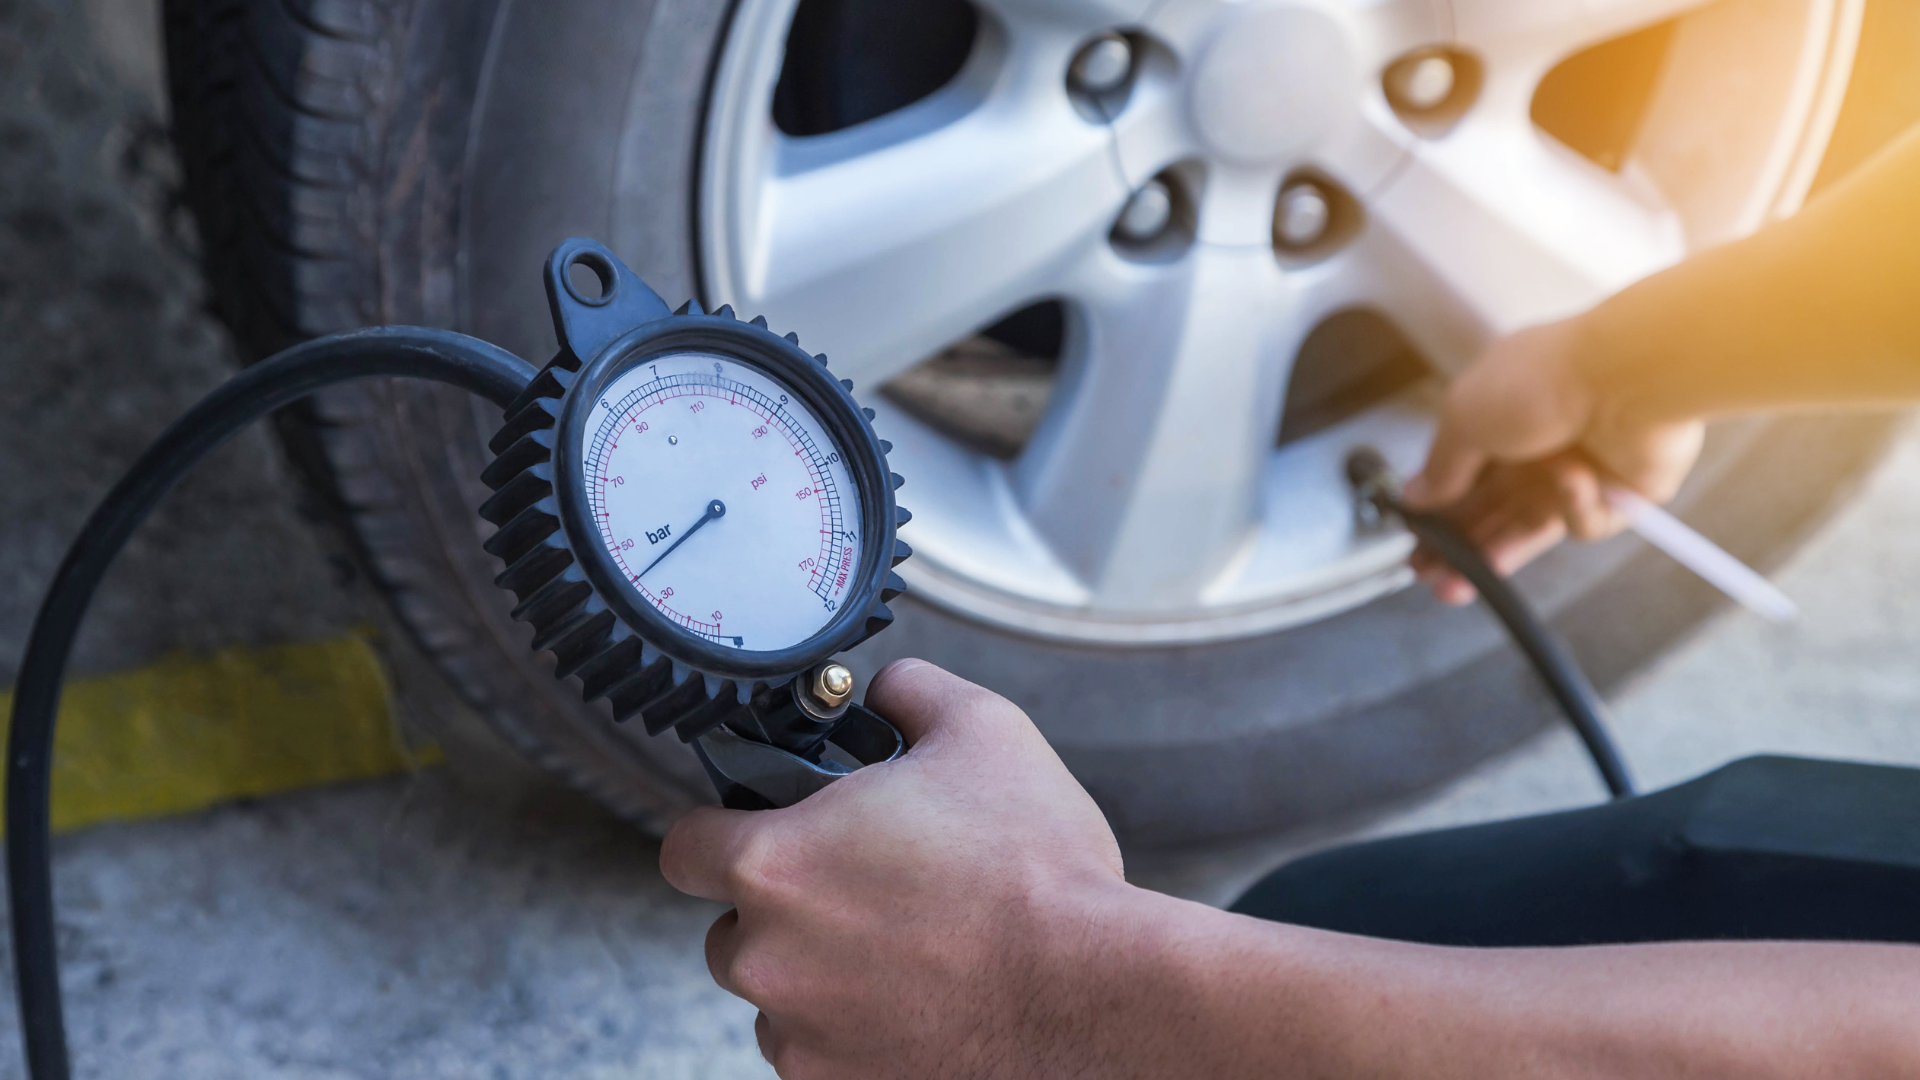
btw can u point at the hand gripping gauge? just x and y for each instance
(695, 517)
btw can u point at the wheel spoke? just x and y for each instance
(1511, 230)
(886, 242)
(1237, 208)
(1144, 477)
(1543, 32)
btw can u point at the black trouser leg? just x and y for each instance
(1768, 847)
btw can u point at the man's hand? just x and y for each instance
(1813, 311)
(917, 918)
(960, 913)
(1526, 446)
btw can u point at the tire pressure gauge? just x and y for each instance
(696, 517)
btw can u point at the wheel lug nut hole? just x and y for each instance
(1312, 216)
(1147, 213)
(1431, 88)
(1428, 83)
(1305, 213)
(1108, 68)
(1102, 65)
(1157, 221)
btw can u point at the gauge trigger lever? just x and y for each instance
(754, 775)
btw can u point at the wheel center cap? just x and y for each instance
(1270, 82)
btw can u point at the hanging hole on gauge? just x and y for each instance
(590, 278)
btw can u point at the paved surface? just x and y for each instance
(403, 929)
(388, 932)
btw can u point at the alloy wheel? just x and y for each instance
(1209, 191)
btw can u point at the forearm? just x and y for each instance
(1823, 308)
(1189, 991)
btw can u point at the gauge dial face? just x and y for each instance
(723, 500)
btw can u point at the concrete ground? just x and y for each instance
(409, 929)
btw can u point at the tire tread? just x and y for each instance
(282, 111)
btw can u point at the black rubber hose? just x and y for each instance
(400, 352)
(1550, 657)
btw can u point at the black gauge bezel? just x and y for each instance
(808, 380)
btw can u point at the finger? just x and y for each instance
(1446, 583)
(1486, 502)
(923, 700)
(1518, 513)
(723, 942)
(1493, 533)
(1530, 505)
(1514, 549)
(1506, 554)
(1500, 492)
(763, 1036)
(1511, 515)
(1453, 590)
(1425, 563)
(1453, 464)
(705, 851)
(1583, 501)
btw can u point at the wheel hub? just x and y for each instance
(1269, 83)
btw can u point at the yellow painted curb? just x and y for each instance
(190, 731)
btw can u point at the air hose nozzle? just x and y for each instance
(1373, 479)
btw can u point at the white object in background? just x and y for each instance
(1703, 556)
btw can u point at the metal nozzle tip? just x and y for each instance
(1367, 466)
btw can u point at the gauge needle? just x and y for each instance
(715, 509)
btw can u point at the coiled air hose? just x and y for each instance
(397, 352)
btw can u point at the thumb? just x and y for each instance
(925, 701)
